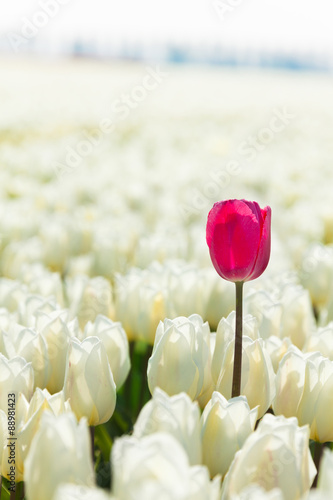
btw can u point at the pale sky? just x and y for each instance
(297, 25)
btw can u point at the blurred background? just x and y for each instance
(123, 122)
(294, 34)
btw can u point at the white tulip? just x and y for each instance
(180, 357)
(322, 341)
(225, 425)
(27, 420)
(89, 383)
(257, 370)
(140, 304)
(157, 466)
(317, 272)
(304, 385)
(54, 328)
(115, 342)
(16, 376)
(59, 453)
(276, 455)
(30, 345)
(177, 415)
(276, 349)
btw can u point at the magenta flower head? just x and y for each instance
(238, 235)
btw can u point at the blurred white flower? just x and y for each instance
(30, 345)
(16, 376)
(140, 304)
(61, 445)
(321, 340)
(115, 342)
(225, 425)
(87, 298)
(317, 273)
(176, 415)
(89, 383)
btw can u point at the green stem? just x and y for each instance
(144, 381)
(92, 438)
(12, 494)
(317, 454)
(237, 374)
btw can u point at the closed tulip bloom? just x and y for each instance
(30, 345)
(276, 455)
(59, 453)
(115, 342)
(238, 235)
(177, 415)
(157, 467)
(304, 388)
(54, 328)
(27, 420)
(16, 376)
(258, 375)
(225, 425)
(89, 383)
(180, 356)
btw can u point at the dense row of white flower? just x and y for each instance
(103, 243)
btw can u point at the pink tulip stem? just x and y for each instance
(237, 375)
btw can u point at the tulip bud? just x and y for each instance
(157, 466)
(304, 385)
(27, 420)
(115, 342)
(59, 453)
(180, 354)
(89, 383)
(257, 370)
(177, 415)
(30, 345)
(140, 304)
(225, 425)
(55, 330)
(16, 376)
(239, 239)
(276, 455)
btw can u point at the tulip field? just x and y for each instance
(153, 347)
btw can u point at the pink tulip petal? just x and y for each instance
(233, 236)
(265, 245)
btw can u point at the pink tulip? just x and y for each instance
(238, 235)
